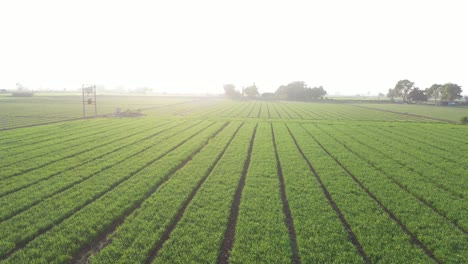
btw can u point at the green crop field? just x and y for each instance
(47, 108)
(451, 113)
(195, 180)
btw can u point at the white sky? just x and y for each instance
(348, 47)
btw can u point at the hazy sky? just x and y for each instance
(195, 46)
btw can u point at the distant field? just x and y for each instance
(216, 181)
(19, 111)
(442, 112)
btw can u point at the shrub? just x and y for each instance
(464, 120)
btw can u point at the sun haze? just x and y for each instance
(348, 47)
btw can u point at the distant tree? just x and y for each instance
(380, 95)
(451, 91)
(281, 93)
(315, 93)
(229, 89)
(417, 95)
(293, 91)
(402, 88)
(251, 91)
(391, 94)
(231, 92)
(434, 92)
(298, 91)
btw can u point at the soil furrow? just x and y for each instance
(243, 109)
(286, 111)
(76, 141)
(290, 108)
(101, 240)
(406, 114)
(229, 113)
(259, 110)
(414, 239)
(91, 175)
(251, 109)
(276, 109)
(335, 207)
(46, 137)
(296, 258)
(404, 188)
(268, 109)
(166, 235)
(229, 235)
(438, 185)
(86, 162)
(22, 244)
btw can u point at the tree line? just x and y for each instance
(294, 91)
(406, 90)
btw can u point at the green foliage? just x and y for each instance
(450, 114)
(231, 92)
(261, 194)
(385, 158)
(451, 91)
(298, 91)
(119, 190)
(464, 120)
(251, 91)
(391, 94)
(148, 223)
(200, 232)
(315, 93)
(402, 88)
(434, 91)
(417, 95)
(396, 180)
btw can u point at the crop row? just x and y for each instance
(448, 176)
(230, 110)
(381, 237)
(52, 211)
(321, 237)
(448, 113)
(17, 139)
(452, 141)
(261, 234)
(450, 151)
(206, 222)
(15, 121)
(106, 199)
(61, 165)
(100, 160)
(439, 239)
(456, 134)
(295, 110)
(146, 230)
(417, 183)
(181, 108)
(218, 110)
(35, 110)
(451, 162)
(35, 155)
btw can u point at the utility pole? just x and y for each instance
(89, 98)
